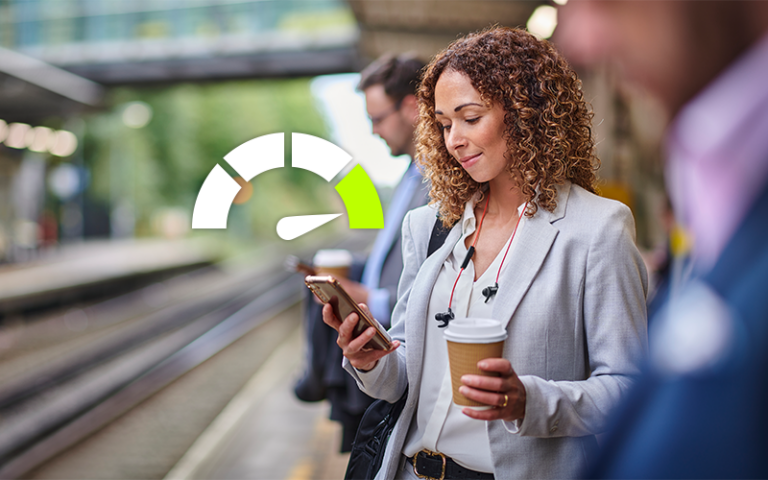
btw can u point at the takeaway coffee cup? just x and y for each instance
(334, 262)
(469, 341)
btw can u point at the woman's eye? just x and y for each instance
(473, 120)
(443, 128)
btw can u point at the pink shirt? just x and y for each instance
(718, 153)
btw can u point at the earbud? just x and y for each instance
(489, 292)
(444, 317)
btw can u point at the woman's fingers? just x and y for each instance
(355, 349)
(365, 309)
(498, 365)
(329, 318)
(362, 339)
(494, 399)
(347, 327)
(366, 359)
(505, 393)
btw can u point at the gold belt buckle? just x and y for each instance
(429, 452)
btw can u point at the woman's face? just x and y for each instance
(472, 131)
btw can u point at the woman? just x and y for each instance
(505, 139)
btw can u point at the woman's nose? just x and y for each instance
(455, 138)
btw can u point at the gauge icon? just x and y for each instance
(265, 153)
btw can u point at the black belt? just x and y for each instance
(436, 466)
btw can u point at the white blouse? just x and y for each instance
(438, 424)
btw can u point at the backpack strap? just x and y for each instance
(438, 236)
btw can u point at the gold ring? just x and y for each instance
(506, 399)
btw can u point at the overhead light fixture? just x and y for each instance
(137, 114)
(543, 21)
(61, 143)
(17, 135)
(39, 141)
(64, 145)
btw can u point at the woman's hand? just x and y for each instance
(360, 356)
(505, 393)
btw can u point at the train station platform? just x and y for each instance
(93, 267)
(266, 433)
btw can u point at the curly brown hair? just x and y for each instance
(548, 123)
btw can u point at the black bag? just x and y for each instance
(380, 418)
(372, 438)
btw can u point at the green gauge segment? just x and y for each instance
(360, 199)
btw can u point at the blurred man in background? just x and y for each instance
(389, 85)
(701, 409)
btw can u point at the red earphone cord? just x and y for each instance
(472, 248)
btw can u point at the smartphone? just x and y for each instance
(328, 290)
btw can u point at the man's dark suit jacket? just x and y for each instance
(711, 422)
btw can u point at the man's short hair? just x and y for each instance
(399, 75)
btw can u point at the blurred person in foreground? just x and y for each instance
(700, 409)
(389, 85)
(505, 139)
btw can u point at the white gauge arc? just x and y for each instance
(311, 153)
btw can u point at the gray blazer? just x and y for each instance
(574, 300)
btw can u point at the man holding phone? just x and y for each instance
(389, 85)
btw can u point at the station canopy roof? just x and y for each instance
(427, 26)
(31, 90)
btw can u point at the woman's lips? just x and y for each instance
(469, 160)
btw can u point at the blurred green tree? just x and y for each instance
(193, 127)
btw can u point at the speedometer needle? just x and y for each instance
(289, 228)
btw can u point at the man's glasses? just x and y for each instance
(380, 118)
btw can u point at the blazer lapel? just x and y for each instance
(526, 258)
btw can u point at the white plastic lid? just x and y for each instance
(332, 258)
(475, 330)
